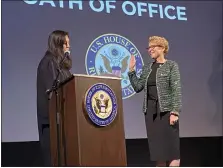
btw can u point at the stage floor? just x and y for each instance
(194, 152)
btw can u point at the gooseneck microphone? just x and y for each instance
(66, 54)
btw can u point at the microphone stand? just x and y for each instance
(54, 88)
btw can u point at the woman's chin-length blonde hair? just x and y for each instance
(161, 41)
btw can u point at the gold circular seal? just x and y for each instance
(101, 104)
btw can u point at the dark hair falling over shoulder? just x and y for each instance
(56, 41)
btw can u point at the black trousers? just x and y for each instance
(44, 137)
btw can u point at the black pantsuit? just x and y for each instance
(46, 73)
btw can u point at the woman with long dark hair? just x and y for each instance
(58, 45)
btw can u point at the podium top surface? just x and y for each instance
(95, 76)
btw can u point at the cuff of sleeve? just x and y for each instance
(131, 72)
(175, 113)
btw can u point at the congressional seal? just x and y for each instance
(109, 55)
(100, 104)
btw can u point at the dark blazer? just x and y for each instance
(167, 82)
(46, 73)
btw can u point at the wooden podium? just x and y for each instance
(82, 143)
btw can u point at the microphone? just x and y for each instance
(66, 54)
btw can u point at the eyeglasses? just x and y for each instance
(153, 46)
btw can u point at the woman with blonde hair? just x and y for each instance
(160, 81)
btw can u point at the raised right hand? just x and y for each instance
(132, 63)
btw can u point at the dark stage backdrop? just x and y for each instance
(194, 31)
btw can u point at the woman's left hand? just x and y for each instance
(173, 119)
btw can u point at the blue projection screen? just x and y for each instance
(193, 29)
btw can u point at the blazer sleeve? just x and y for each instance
(175, 84)
(138, 84)
(49, 74)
